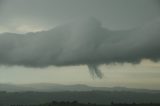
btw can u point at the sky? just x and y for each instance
(22, 16)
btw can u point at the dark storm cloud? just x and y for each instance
(81, 42)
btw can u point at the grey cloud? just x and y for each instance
(114, 14)
(82, 42)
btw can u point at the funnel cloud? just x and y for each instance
(82, 42)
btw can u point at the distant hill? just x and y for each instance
(49, 87)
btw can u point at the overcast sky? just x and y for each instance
(21, 16)
(121, 14)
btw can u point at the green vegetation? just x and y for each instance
(85, 97)
(75, 103)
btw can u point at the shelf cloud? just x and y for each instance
(82, 42)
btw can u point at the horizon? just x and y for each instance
(82, 85)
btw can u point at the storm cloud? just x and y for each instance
(82, 42)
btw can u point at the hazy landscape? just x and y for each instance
(79, 52)
(49, 87)
(45, 93)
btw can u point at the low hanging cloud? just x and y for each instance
(83, 42)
